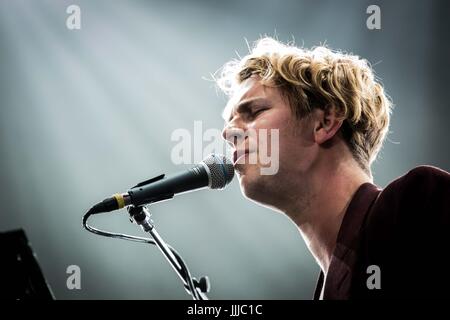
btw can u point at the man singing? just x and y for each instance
(331, 116)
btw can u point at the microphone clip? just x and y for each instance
(148, 181)
(159, 197)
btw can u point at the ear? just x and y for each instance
(326, 124)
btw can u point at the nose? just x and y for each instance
(233, 135)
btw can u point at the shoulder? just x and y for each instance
(424, 178)
(423, 187)
(418, 199)
(406, 233)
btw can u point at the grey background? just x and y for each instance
(88, 113)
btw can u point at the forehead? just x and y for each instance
(249, 88)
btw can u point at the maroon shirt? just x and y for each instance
(404, 230)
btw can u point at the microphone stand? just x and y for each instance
(142, 216)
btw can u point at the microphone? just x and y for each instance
(215, 172)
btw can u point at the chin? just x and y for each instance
(259, 194)
(252, 185)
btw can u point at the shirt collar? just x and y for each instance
(344, 256)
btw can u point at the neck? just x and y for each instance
(320, 212)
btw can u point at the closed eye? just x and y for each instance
(258, 112)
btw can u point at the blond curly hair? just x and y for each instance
(320, 78)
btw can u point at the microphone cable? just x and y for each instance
(189, 280)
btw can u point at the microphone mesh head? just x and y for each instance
(221, 170)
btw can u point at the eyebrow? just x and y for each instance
(245, 106)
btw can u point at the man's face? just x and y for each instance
(263, 113)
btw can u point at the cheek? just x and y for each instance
(272, 126)
(294, 146)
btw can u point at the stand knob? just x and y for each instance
(203, 284)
